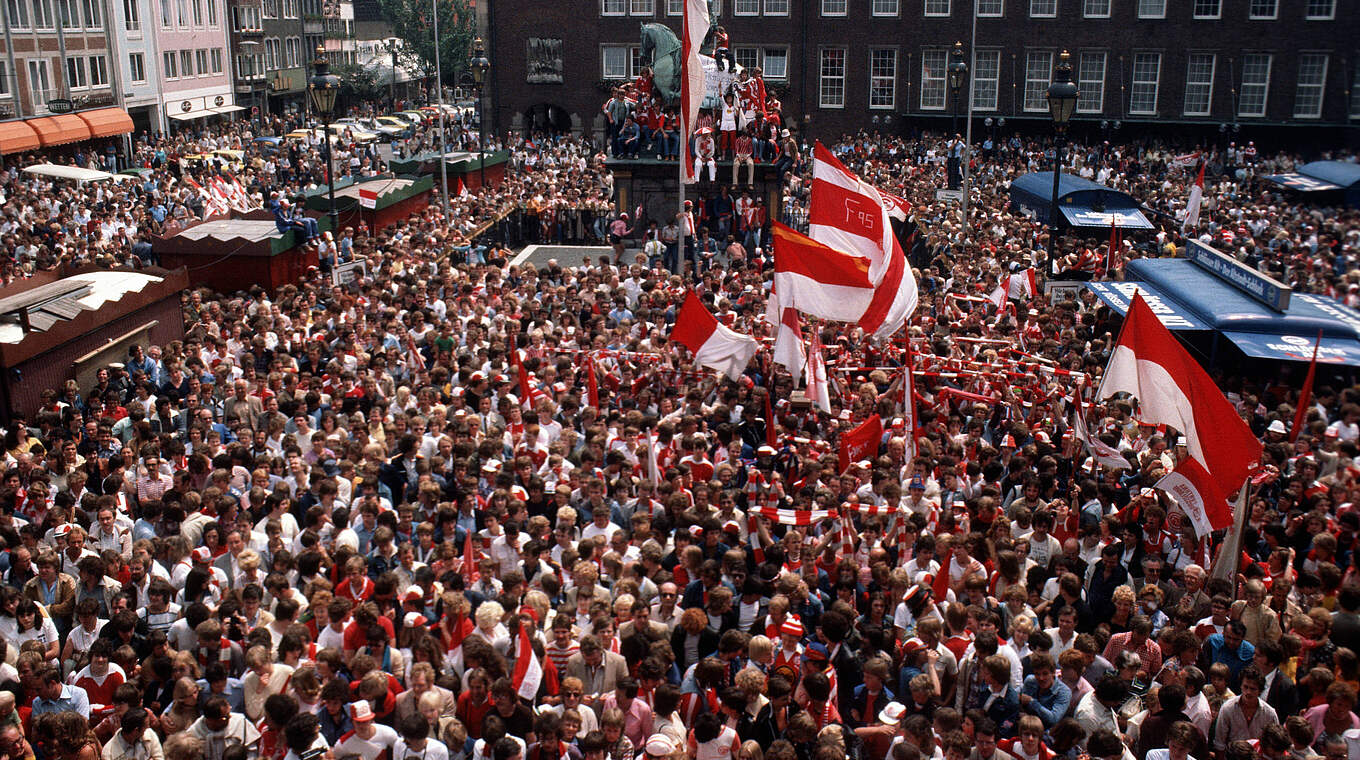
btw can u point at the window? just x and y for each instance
(212, 12)
(186, 63)
(16, 12)
(882, 78)
(216, 55)
(991, 8)
(1199, 84)
(294, 51)
(1251, 96)
(1091, 83)
(76, 77)
(642, 7)
(1151, 8)
(1043, 8)
(4, 81)
(776, 7)
(614, 61)
(936, 8)
(182, 12)
(746, 8)
(775, 62)
(132, 16)
(1308, 92)
(39, 79)
(612, 7)
(1320, 10)
(675, 7)
(884, 7)
(201, 62)
(831, 87)
(93, 14)
(169, 66)
(1096, 9)
(271, 54)
(933, 63)
(747, 57)
(833, 7)
(166, 16)
(986, 79)
(43, 17)
(1147, 71)
(1208, 8)
(137, 64)
(1038, 75)
(1264, 9)
(99, 71)
(198, 12)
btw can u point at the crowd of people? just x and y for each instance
(356, 521)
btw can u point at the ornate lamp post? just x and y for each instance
(324, 88)
(1062, 102)
(958, 69)
(480, 67)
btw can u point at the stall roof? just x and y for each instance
(1323, 177)
(1083, 202)
(75, 173)
(1339, 173)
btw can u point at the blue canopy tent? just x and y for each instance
(1083, 203)
(1187, 296)
(1341, 177)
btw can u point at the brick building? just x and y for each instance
(1281, 69)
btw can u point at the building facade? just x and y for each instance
(194, 80)
(56, 50)
(1229, 67)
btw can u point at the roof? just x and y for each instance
(1095, 203)
(49, 304)
(16, 137)
(106, 122)
(76, 173)
(383, 187)
(1341, 173)
(253, 230)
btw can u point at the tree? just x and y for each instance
(413, 24)
(357, 83)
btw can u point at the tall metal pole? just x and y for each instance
(968, 128)
(439, 101)
(481, 137)
(1053, 202)
(330, 174)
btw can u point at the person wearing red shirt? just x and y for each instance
(357, 586)
(474, 704)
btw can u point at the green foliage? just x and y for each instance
(413, 23)
(358, 83)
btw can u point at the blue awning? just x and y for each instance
(1083, 202)
(1174, 316)
(1296, 348)
(1301, 183)
(1124, 218)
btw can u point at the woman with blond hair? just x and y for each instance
(489, 626)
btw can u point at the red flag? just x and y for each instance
(592, 386)
(470, 574)
(771, 426)
(713, 345)
(692, 78)
(939, 585)
(528, 668)
(1305, 395)
(1116, 239)
(909, 416)
(861, 442)
(1173, 390)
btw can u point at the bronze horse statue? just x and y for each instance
(661, 50)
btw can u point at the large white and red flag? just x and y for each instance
(818, 384)
(528, 668)
(823, 282)
(1173, 390)
(696, 23)
(1104, 453)
(788, 338)
(852, 216)
(1196, 198)
(713, 345)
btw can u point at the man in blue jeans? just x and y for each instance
(285, 221)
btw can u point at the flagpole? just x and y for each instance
(1229, 553)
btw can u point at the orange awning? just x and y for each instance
(17, 136)
(106, 122)
(59, 130)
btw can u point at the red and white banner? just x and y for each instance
(818, 384)
(799, 517)
(1173, 390)
(1182, 489)
(823, 282)
(1196, 198)
(909, 417)
(692, 85)
(788, 340)
(1185, 160)
(528, 668)
(368, 198)
(713, 345)
(861, 442)
(1104, 453)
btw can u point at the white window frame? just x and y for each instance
(823, 79)
(40, 69)
(644, 8)
(981, 85)
(605, 72)
(1189, 84)
(1264, 86)
(991, 11)
(890, 80)
(765, 58)
(746, 56)
(132, 16)
(77, 78)
(1087, 12)
(1196, 14)
(937, 13)
(1043, 12)
(1149, 8)
(102, 64)
(45, 15)
(16, 14)
(1255, 16)
(1135, 83)
(215, 60)
(1320, 86)
(1040, 103)
(885, 8)
(939, 79)
(201, 62)
(1310, 15)
(137, 62)
(835, 8)
(675, 7)
(186, 64)
(622, 6)
(5, 92)
(1087, 87)
(743, 7)
(779, 8)
(170, 65)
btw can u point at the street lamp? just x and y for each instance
(957, 69)
(480, 66)
(1062, 101)
(324, 88)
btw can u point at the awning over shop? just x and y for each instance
(1324, 177)
(1301, 183)
(106, 122)
(59, 130)
(1083, 203)
(228, 109)
(1118, 295)
(191, 115)
(16, 137)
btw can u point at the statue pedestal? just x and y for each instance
(655, 186)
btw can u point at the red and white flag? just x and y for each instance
(799, 517)
(1185, 159)
(909, 417)
(529, 393)
(818, 384)
(713, 345)
(1104, 453)
(592, 385)
(1196, 198)
(528, 668)
(852, 216)
(788, 338)
(1017, 286)
(820, 281)
(861, 442)
(696, 23)
(1173, 390)
(368, 198)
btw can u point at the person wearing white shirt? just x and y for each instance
(368, 740)
(416, 745)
